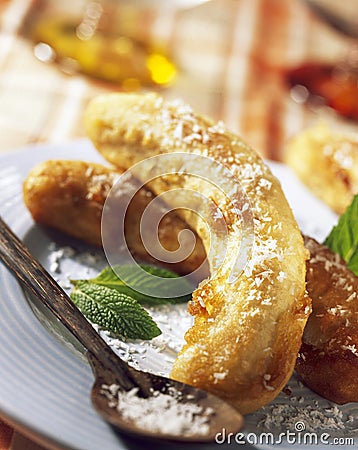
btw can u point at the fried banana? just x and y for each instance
(247, 332)
(328, 358)
(327, 163)
(70, 195)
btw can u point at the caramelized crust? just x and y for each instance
(327, 162)
(246, 334)
(328, 359)
(69, 196)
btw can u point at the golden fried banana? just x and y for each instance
(69, 196)
(247, 333)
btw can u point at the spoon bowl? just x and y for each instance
(170, 409)
(134, 402)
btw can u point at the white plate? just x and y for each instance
(45, 381)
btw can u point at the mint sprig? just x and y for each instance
(343, 238)
(114, 311)
(135, 283)
(115, 303)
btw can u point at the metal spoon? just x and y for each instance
(110, 370)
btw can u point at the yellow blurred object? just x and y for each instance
(161, 69)
(107, 49)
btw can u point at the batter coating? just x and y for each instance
(69, 196)
(328, 359)
(246, 334)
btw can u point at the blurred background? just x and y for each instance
(267, 68)
(246, 62)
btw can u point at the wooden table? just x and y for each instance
(231, 55)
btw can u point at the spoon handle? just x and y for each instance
(39, 282)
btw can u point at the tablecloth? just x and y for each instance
(231, 55)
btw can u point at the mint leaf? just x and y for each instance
(343, 239)
(114, 311)
(353, 263)
(135, 283)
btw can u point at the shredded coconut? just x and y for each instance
(177, 417)
(286, 416)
